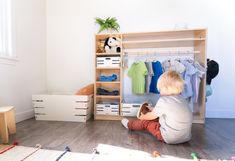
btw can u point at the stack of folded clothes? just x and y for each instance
(110, 78)
(101, 91)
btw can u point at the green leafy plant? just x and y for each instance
(108, 23)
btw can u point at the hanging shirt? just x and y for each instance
(192, 77)
(187, 76)
(137, 72)
(149, 76)
(157, 69)
(174, 65)
(201, 71)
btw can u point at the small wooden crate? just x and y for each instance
(76, 108)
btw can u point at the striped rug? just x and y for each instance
(102, 153)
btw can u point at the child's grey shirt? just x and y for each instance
(175, 118)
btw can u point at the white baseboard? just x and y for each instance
(24, 115)
(220, 114)
(209, 114)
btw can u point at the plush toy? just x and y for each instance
(100, 47)
(112, 44)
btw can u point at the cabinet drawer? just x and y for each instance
(38, 104)
(39, 110)
(41, 116)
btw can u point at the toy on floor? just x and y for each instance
(194, 156)
(156, 154)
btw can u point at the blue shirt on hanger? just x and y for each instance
(157, 70)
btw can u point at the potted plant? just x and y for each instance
(109, 24)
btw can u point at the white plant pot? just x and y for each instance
(108, 31)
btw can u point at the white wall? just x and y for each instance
(27, 76)
(71, 29)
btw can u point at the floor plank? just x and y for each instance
(214, 140)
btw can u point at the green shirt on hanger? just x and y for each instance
(137, 72)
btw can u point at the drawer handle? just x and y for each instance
(37, 100)
(85, 108)
(39, 107)
(126, 111)
(40, 114)
(136, 106)
(79, 115)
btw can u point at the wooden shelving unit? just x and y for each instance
(111, 85)
(173, 39)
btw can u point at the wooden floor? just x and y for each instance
(214, 140)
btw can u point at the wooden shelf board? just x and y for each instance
(107, 96)
(108, 54)
(104, 36)
(114, 82)
(162, 40)
(108, 68)
(165, 32)
(107, 117)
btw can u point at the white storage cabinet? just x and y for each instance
(76, 108)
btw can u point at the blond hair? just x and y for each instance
(170, 83)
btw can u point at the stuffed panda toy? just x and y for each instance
(112, 45)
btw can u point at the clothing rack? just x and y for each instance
(154, 54)
(175, 43)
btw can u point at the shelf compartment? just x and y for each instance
(108, 73)
(167, 34)
(109, 87)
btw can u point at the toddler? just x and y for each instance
(170, 120)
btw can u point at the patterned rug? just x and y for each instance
(101, 153)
